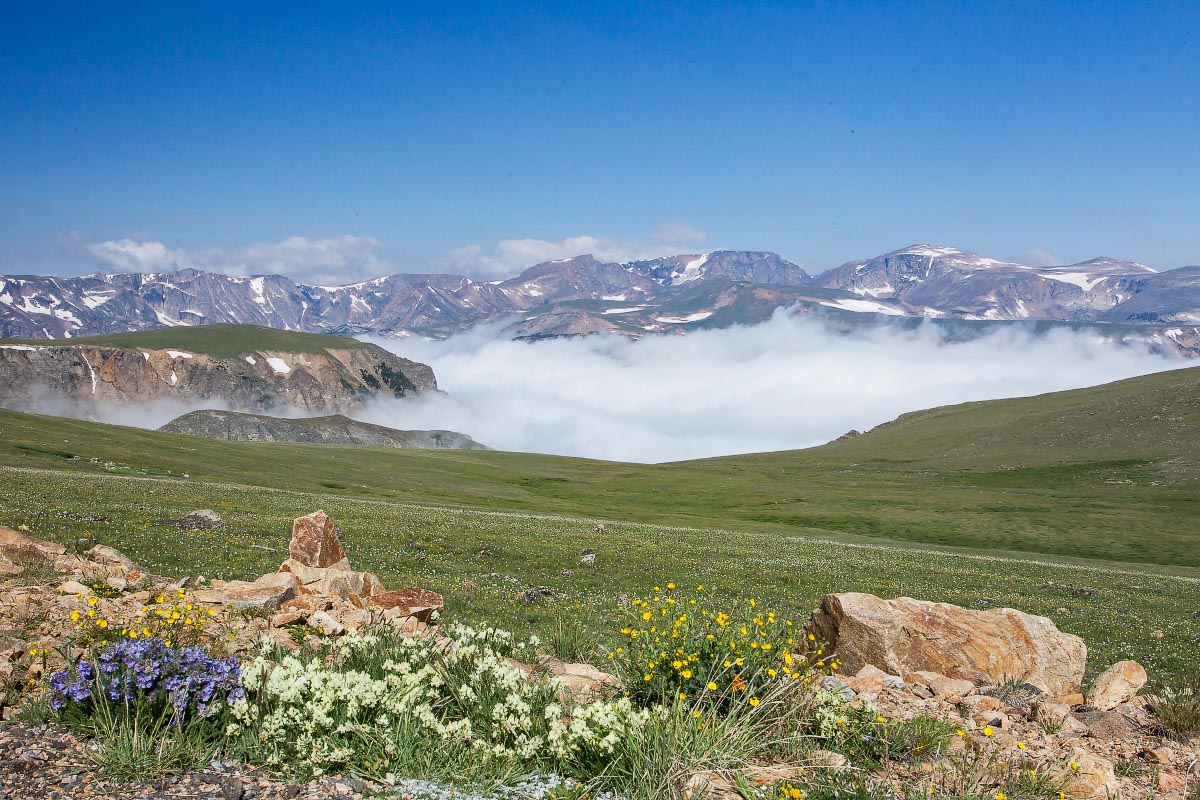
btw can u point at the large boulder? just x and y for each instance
(1116, 685)
(904, 635)
(314, 541)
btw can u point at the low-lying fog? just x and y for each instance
(786, 383)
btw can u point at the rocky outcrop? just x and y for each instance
(233, 426)
(903, 636)
(81, 379)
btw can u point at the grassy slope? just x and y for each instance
(1108, 473)
(218, 341)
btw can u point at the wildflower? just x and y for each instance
(988, 732)
(712, 686)
(92, 601)
(687, 673)
(960, 732)
(753, 701)
(879, 718)
(1020, 745)
(670, 586)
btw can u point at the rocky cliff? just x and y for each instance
(85, 376)
(231, 426)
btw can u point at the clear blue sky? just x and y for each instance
(823, 131)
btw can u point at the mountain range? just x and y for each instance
(582, 295)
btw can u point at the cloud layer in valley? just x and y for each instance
(786, 383)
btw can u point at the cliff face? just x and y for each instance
(84, 376)
(229, 426)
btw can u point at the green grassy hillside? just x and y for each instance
(218, 341)
(1108, 473)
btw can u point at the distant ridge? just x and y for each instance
(232, 426)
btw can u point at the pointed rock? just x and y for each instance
(314, 541)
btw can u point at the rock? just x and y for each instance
(355, 618)
(1116, 685)
(285, 618)
(710, 786)
(1169, 780)
(232, 788)
(868, 679)
(982, 703)
(268, 591)
(1072, 728)
(943, 686)
(328, 625)
(412, 602)
(19, 547)
(966, 674)
(1050, 713)
(314, 541)
(336, 580)
(581, 679)
(8, 568)
(535, 594)
(905, 635)
(1108, 726)
(1160, 755)
(107, 556)
(1090, 778)
(74, 587)
(588, 558)
(204, 519)
(834, 684)
(827, 760)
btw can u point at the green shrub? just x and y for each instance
(1179, 709)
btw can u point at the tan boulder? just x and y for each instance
(942, 686)
(581, 679)
(106, 556)
(327, 624)
(412, 602)
(868, 680)
(314, 541)
(906, 635)
(268, 591)
(1116, 685)
(1090, 777)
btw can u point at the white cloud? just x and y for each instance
(130, 255)
(510, 256)
(677, 233)
(327, 260)
(786, 383)
(1037, 257)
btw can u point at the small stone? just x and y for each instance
(328, 625)
(1160, 755)
(232, 788)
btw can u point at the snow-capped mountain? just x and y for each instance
(946, 281)
(582, 295)
(35, 307)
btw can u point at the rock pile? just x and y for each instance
(317, 586)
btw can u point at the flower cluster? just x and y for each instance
(170, 615)
(149, 671)
(677, 647)
(315, 714)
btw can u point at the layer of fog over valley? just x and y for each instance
(783, 384)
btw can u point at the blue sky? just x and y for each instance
(469, 137)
